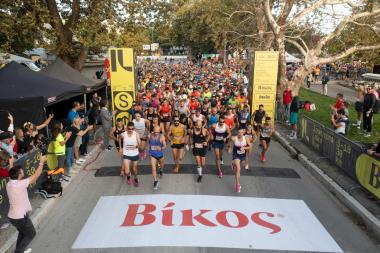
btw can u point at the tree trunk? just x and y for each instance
(282, 81)
(81, 58)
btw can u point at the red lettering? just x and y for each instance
(187, 218)
(256, 219)
(133, 211)
(167, 215)
(221, 217)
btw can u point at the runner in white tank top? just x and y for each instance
(241, 144)
(130, 152)
(141, 127)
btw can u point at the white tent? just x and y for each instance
(6, 58)
(291, 58)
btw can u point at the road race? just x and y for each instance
(189, 126)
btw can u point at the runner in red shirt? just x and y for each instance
(194, 105)
(165, 114)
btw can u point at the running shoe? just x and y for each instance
(160, 173)
(199, 179)
(136, 182)
(238, 188)
(221, 161)
(129, 181)
(155, 185)
(187, 147)
(263, 159)
(246, 167)
(220, 174)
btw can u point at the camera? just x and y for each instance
(41, 142)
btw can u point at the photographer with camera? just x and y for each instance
(17, 191)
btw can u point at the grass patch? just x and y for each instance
(323, 115)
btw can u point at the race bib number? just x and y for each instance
(240, 152)
(165, 114)
(192, 111)
(130, 147)
(156, 148)
(219, 138)
(243, 121)
(198, 145)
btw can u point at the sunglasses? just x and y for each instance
(130, 128)
(156, 132)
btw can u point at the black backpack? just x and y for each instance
(52, 187)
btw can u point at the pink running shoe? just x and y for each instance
(238, 188)
(220, 174)
(129, 180)
(136, 182)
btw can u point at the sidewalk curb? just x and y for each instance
(371, 222)
(40, 212)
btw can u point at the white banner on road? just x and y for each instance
(204, 221)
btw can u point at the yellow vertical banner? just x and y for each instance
(265, 70)
(123, 85)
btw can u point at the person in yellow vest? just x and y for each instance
(57, 149)
(177, 135)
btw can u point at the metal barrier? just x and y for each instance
(344, 153)
(337, 148)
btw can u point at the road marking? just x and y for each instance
(204, 221)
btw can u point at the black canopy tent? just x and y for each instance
(26, 94)
(62, 71)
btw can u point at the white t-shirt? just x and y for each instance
(19, 203)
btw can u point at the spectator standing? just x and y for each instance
(73, 113)
(286, 101)
(75, 133)
(359, 105)
(106, 118)
(95, 110)
(7, 142)
(325, 80)
(294, 107)
(86, 138)
(22, 147)
(31, 130)
(368, 105)
(339, 104)
(4, 163)
(58, 144)
(19, 204)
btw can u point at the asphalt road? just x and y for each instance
(62, 225)
(334, 88)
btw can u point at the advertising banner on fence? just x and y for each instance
(368, 173)
(265, 70)
(123, 85)
(29, 163)
(204, 221)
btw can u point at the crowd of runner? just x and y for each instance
(191, 107)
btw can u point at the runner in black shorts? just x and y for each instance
(115, 133)
(199, 144)
(258, 117)
(266, 132)
(177, 134)
(241, 144)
